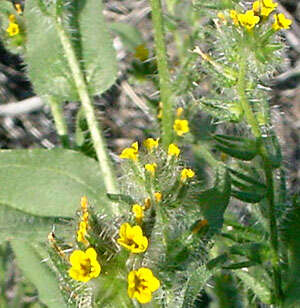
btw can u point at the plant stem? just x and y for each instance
(96, 133)
(241, 89)
(268, 170)
(273, 230)
(59, 120)
(163, 72)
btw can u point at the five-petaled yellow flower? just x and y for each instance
(158, 196)
(132, 238)
(264, 7)
(248, 20)
(13, 28)
(138, 213)
(173, 150)
(131, 153)
(186, 173)
(84, 265)
(141, 284)
(181, 127)
(151, 143)
(151, 168)
(281, 22)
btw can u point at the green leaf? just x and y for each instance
(96, 52)
(30, 258)
(256, 252)
(247, 196)
(227, 290)
(238, 147)
(272, 146)
(196, 282)
(87, 30)
(259, 287)
(121, 198)
(49, 182)
(15, 224)
(213, 202)
(130, 35)
(45, 51)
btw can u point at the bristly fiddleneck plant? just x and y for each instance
(156, 236)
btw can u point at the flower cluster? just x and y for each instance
(261, 9)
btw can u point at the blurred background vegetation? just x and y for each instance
(127, 110)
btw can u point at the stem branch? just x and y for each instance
(268, 170)
(96, 133)
(163, 72)
(59, 120)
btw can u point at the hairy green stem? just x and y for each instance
(163, 72)
(268, 170)
(59, 121)
(241, 89)
(273, 230)
(96, 133)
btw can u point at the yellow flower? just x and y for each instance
(141, 52)
(173, 150)
(84, 203)
(221, 16)
(82, 232)
(147, 204)
(18, 8)
(186, 173)
(179, 112)
(281, 22)
(234, 17)
(131, 153)
(141, 284)
(151, 168)
(248, 20)
(132, 238)
(84, 265)
(264, 7)
(13, 28)
(138, 212)
(158, 196)
(181, 127)
(12, 18)
(159, 113)
(151, 143)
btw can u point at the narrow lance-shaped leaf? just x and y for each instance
(213, 202)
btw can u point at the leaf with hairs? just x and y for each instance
(50, 182)
(30, 258)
